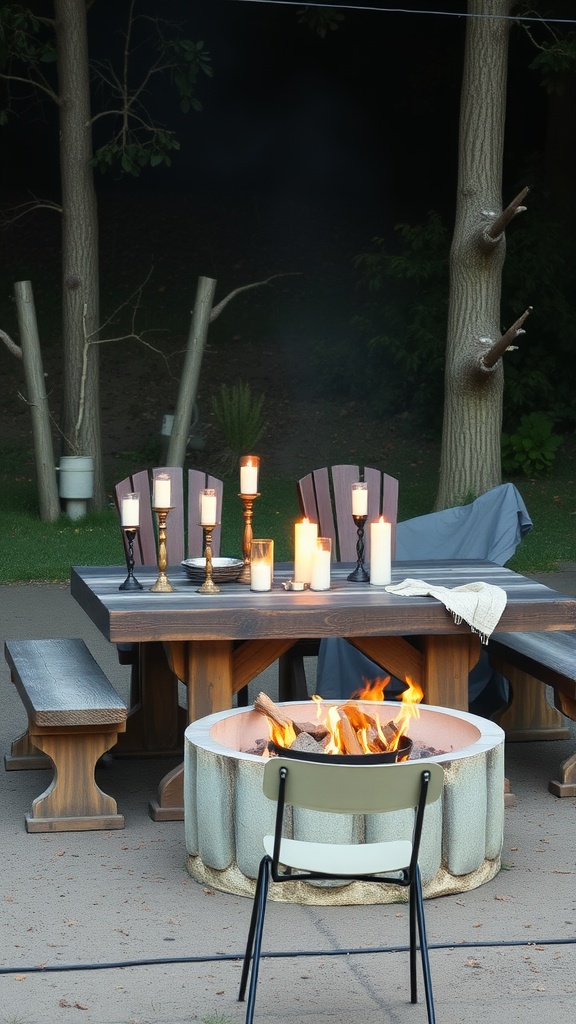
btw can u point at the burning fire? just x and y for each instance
(347, 728)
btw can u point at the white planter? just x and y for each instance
(76, 483)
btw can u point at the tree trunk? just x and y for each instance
(80, 286)
(470, 463)
(48, 500)
(191, 371)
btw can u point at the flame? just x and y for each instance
(411, 698)
(373, 689)
(282, 735)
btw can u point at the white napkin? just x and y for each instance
(479, 604)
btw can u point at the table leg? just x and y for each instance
(155, 724)
(207, 669)
(448, 659)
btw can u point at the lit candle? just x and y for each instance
(130, 511)
(208, 507)
(360, 499)
(321, 554)
(305, 535)
(260, 575)
(261, 564)
(380, 552)
(249, 475)
(161, 491)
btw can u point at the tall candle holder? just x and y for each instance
(360, 573)
(208, 587)
(162, 585)
(248, 502)
(130, 583)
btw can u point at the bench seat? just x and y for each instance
(529, 659)
(74, 717)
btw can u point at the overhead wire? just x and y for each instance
(522, 18)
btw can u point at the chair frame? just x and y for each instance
(345, 789)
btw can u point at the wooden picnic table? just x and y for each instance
(216, 644)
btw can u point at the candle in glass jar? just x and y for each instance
(320, 577)
(208, 507)
(380, 553)
(260, 575)
(261, 564)
(161, 491)
(249, 476)
(130, 511)
(305, 535)
(360, 499)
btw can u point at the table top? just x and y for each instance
(346, 610)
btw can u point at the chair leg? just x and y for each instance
(254, 943)
(413, 943)
(424, 948)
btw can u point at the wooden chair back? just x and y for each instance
(325, 497)
(184, 534)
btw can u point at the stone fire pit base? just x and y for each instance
(226, 814)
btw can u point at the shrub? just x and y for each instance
(532, 449)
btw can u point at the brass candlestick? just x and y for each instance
(130, 583)
(162, 584)
(208, 587)
(247, 501)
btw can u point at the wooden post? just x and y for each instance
(191, 371)
(41, 429)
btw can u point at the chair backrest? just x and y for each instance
(325, 497)
(145, 552)
(352, 789)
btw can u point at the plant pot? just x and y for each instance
(76, 483)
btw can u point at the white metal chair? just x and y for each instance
(345, 789)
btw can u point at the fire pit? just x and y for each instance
(226, 814)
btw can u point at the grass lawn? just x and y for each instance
(33, 551)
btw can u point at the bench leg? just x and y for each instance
(528, 717)
(566, 785)
(73, 802)
(25, 755)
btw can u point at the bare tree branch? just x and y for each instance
(14, 213)
(11, 345)
(498, 349)
(501, 223)
(216, 310)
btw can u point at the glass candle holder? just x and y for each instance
(130, 511)
(360, 499)
(249, 467)
(207, 508)
(321, 557)
(261, 564)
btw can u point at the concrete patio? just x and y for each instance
(125, 936)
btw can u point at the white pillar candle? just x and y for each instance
(305, 535)
(208, 508)
(130, 511)
(161, 491)
(359, 499)
(320, 578)
(260, 575)
(380, 553)
(249, 478)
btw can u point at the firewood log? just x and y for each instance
(268, 708)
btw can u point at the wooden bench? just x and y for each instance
(528, 660)
(74, 717)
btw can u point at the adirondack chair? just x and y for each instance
(184, 535)
(325, 498)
